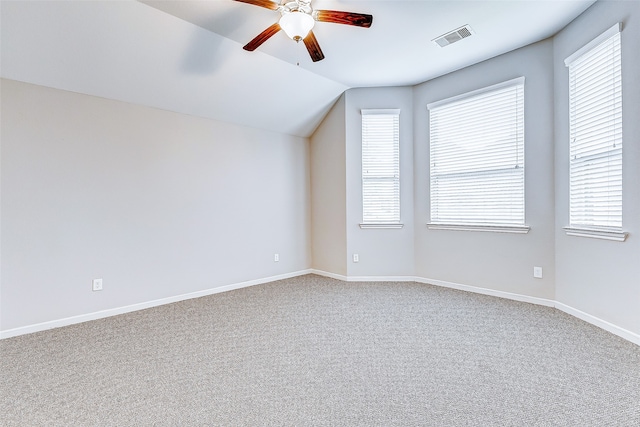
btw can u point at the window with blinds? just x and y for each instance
(595, 134)
(477, 158)
(380, 167)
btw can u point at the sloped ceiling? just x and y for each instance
(187, 56)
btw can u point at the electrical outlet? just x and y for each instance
(97, 284)
(276, 257)
(356, 258)
(537, 272)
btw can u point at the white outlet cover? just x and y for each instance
(276, 257)
(97, 284)
(537, 272)
(356, 258)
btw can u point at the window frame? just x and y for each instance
(394, 222)
(470, 225)
(590, 227)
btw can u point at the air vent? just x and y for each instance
(453, 36)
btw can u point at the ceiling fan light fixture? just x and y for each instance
(297, 19)
(296, 24)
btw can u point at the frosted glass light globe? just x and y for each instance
(296, 24)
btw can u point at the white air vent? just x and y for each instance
(453, 36)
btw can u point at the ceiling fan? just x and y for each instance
(297, 18)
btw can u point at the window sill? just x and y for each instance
(616, 236)
(370, 225)
(518, 229)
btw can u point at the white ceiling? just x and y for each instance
(186, 56)
(397, 49)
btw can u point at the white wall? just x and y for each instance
(382, 252)
(156, 203)
(601, 278)
(502, 262)
(328, 193)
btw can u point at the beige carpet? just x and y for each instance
(312, 351)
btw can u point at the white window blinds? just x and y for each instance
(477, 157)
(595, 133)
(380, 167)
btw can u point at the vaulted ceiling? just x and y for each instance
(186, 56)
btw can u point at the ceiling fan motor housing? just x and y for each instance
(296, 6)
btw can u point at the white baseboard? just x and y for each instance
(381, 279)
(596, 321)
(603, 324)
(363, 278)
(141, 306)
(486, 291)
(330, 275)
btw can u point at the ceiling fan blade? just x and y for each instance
(262, 37)
(313, 47)
(347, 18)
(262, 3)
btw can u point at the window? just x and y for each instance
(477, 160)
(595, 137)
(380, 169)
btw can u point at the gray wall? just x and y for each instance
(160, 204)
(156, 203)
(496, 261)
(601, 277)
(382, 252)
(328, 193)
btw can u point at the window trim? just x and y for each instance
(515, 229)
(365, 225)
(616, 236)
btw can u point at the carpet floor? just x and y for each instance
(313, 351)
